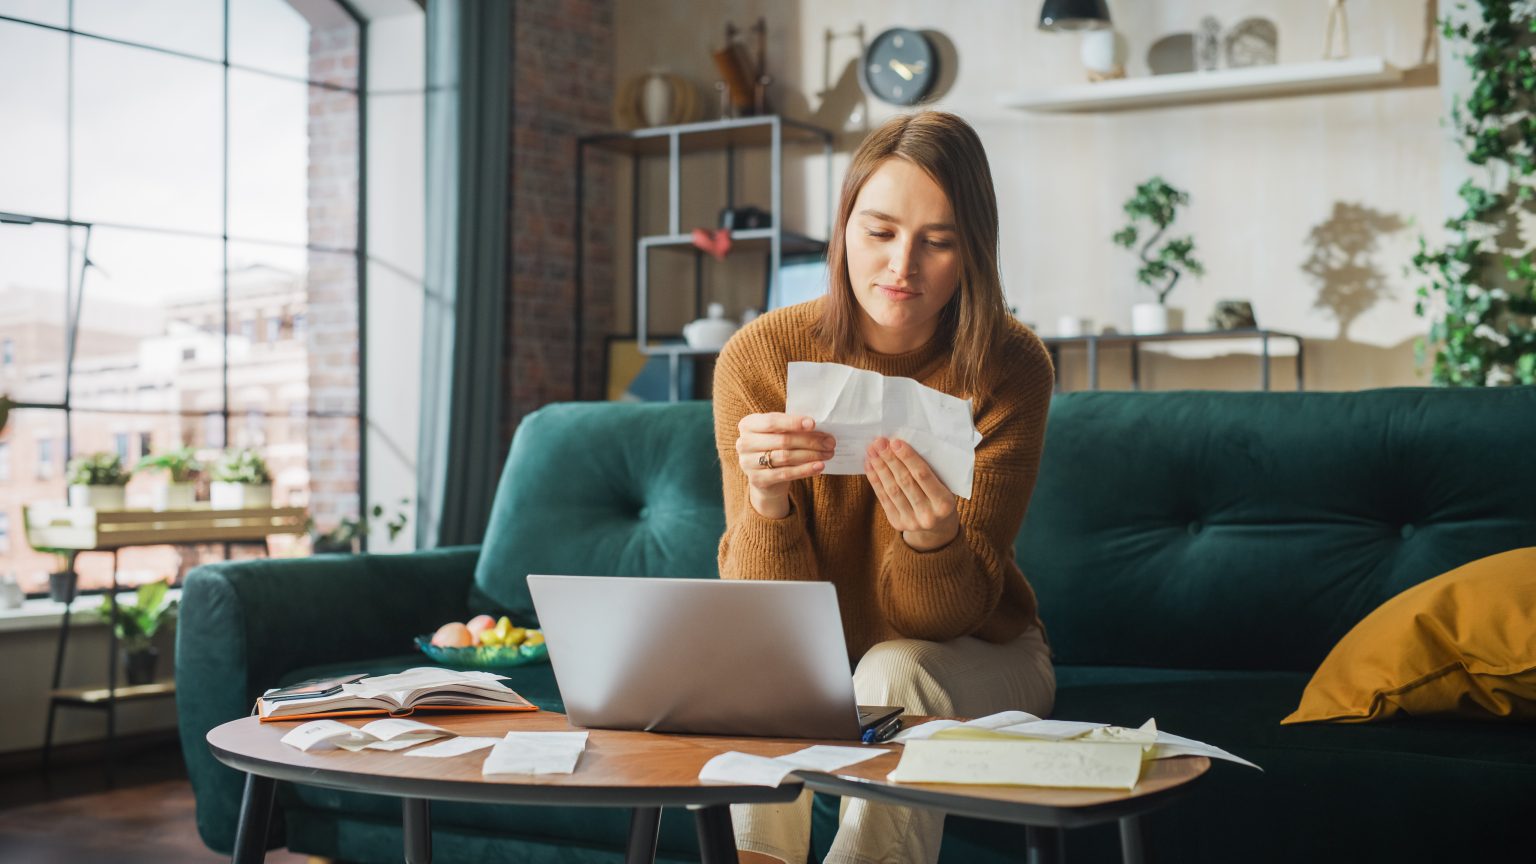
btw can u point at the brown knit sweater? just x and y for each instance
(836, 530)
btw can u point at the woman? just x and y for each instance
(937, 616)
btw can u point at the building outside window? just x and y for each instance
(208, 156)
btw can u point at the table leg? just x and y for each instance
(1043, 845)
(644, 824)
(418, 830)
(1133, 845)
(255, 819)
(717, 841)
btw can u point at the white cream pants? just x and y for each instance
(966, 677)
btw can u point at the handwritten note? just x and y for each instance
(1020, 762)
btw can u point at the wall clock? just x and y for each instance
(900, 67)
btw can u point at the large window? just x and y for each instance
(179, 220)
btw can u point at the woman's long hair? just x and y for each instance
(948, 150)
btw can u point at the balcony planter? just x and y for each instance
(240, 496)
(174, 496)
(98, 497)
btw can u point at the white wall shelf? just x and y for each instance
(1157, 91)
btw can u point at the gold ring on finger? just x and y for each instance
(765, 460)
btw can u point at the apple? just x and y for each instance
(480, 623)
(453, 635)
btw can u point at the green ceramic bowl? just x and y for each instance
(484, 658)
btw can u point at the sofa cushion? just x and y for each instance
(1461, 643)
(604, 489)
(1252, 530)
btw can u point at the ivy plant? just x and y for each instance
(1479, 288)
(1157, 202)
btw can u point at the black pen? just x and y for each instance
(884, 732)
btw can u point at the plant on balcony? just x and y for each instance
(97, 481)
(240, 480)
(181, 463)
(242, 466)
(348, 533)
(98, 469)
(136, 624)
(1479, 294)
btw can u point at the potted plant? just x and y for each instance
(1157, 203)
(240, 480)
(137, 623)
(180, 491)
(61, 582)
(348, 534)
(97, 481)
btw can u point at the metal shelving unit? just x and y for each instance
(1134, 342)
(673, 142)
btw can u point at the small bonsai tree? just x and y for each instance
(242, 466)
(183, 466)
(98, 469)
(1157, 202)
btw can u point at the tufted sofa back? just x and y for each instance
(604, 489)
(1252, 530)
(1172, 529)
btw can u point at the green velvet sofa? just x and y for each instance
(1196, 555)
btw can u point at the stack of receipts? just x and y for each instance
(1017, 748)
(856, 406)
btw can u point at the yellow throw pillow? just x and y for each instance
(1462, 643)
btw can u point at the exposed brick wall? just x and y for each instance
(332, 334)
(563, 88)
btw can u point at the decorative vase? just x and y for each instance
(98, 497)
(1103, 55)
(174, 496)
(239, 496)
(656, 98)
(61, 586)
(140, 665)
(11, 593)
(710, 333)
(1152, 318)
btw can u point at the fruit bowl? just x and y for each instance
(484, 657)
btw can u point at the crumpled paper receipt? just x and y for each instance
(535, 753)
(857, 406)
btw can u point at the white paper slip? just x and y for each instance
(392, 728)
(1053, 730)
(315, 733)
(1169, 745)
(857, 406)
(1069, 764)
(1000, 720)
(745, 769)
(454, 747)
(825, 757)
(536, 753)
(923, 731)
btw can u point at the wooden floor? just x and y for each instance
(72, 815)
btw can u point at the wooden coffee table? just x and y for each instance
(646, 771)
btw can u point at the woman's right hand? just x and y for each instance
(776, 449)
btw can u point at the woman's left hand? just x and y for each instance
(916, 501)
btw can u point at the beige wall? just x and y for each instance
(1263, 174)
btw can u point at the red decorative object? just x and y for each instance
(716, 242)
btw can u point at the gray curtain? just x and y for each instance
(469, 81)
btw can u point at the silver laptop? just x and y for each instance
(707, 656)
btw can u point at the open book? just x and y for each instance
(426, 688)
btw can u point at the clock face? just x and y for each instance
(900, 67)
